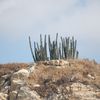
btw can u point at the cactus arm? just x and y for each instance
(31, 49)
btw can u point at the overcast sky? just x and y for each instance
(21, 18)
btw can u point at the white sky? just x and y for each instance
(21, 18)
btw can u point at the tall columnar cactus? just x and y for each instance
(74, 43)
(31, 49)
(66, 49)
(57, 48)
(69, 48)
(36, 52)
(60, 55)
(53, 48)
(49, 45)
(45, 48)
(41, 49)
(62, 49)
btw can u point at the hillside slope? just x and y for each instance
(52, 80)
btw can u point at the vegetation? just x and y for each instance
(66, 49)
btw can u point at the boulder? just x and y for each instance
(19, 79)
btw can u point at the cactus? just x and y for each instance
(49, 45)
(60, 56)
(57, 48)
(69, 48)
(62, 42)
(77, 53)
(36, 52)
(31, 49)
(45, 48)
(66, 49)
(53, 48)
(40, 52)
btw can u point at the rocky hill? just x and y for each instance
(51, 80)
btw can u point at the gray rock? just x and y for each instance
(24, 93)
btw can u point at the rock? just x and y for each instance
(57, 62)
(63, 62)
(36, 85)
(84, 92)
(15, 84)
(52, 62)
(24, 93)
(21, 74)
(4, 83)
(19, 89)
(3, 96)
(19, 79)
(91, 77)
(77, 91)
(13, 95)
(32, 68)
(4, 79)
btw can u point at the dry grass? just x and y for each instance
(50, 77)
(8, 68)
(80, 69)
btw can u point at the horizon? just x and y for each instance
(21, 18)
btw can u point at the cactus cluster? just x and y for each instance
(40, 51)
(66, 49)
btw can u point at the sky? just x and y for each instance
(21, 18)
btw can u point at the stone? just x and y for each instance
(3, 96)
(31, 69)
(21, 74)
(15, 84)
(12, 95)
(19, 79)
(24, 93)
(84, 92)
(63, 62)
(91, 77)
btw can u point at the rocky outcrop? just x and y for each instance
(24, 93)
(19, 89)
(55, 80)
